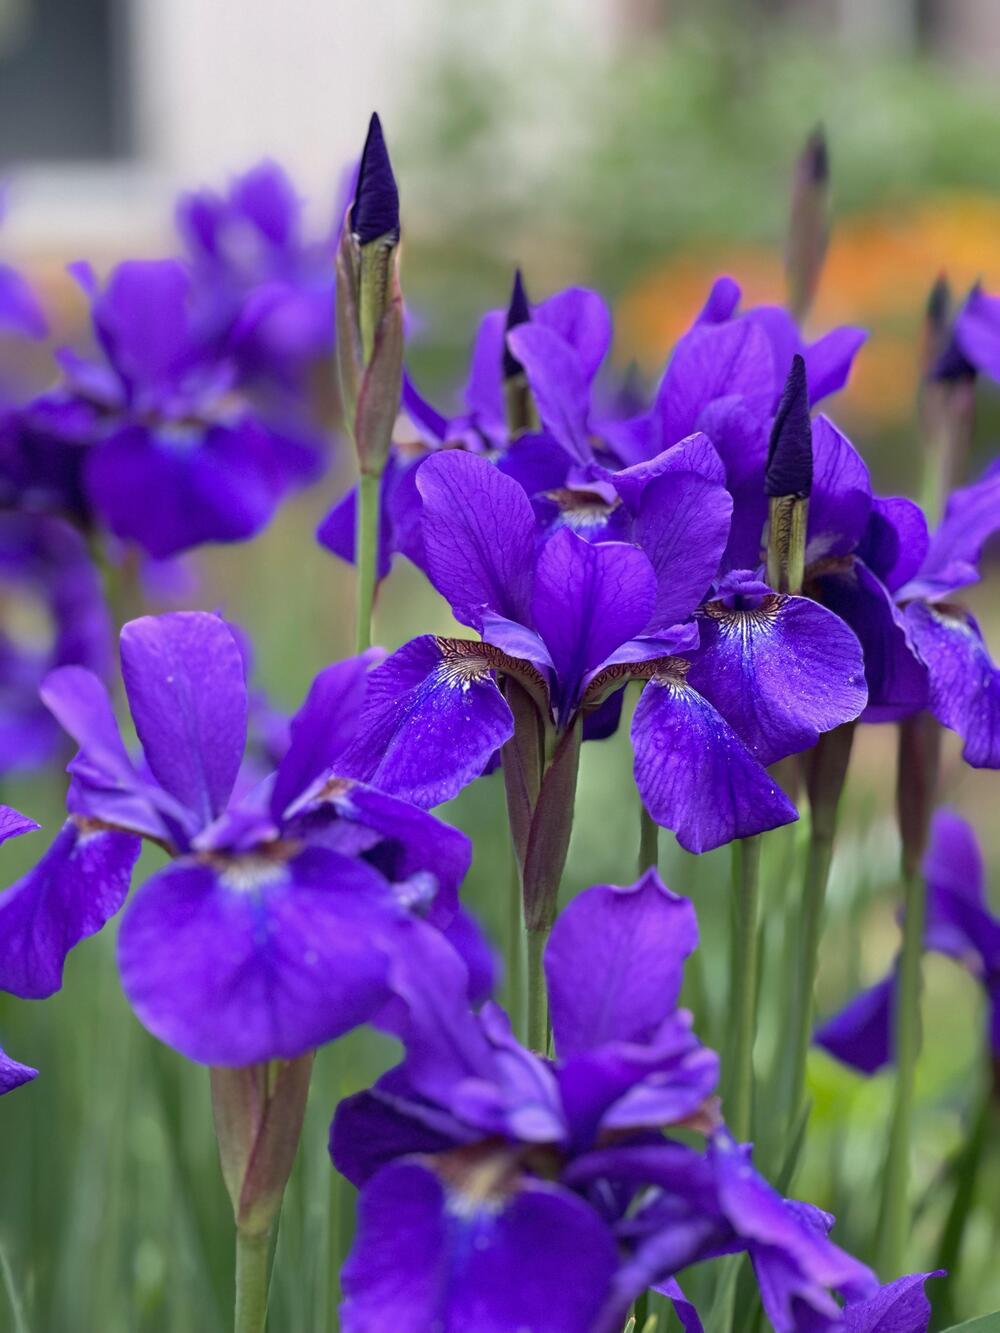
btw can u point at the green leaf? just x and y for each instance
(987, 1323)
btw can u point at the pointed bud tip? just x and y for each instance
(375, 211)
(939, 301)
(815, 158)
(789, 455)
(518, 312)
(949, 364)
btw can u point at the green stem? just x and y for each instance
(965, 1169)
(515, 946)
(813, 901)
(538, 998)
(649, 841)
(251, 1281)
(743, 1004)
(369, 487)
(894, 1219)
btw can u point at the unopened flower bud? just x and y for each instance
(809, 224)
(788, 482)
(521, 413)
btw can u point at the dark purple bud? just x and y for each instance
(789, 455)
(809, 223)
(946, 362)
(518, 312)
(375, 211)
(814, 164)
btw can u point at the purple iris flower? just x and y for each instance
(13, 1074)
(963, 689)
(155, 440)
(572, 621)
(578, 323)
(270, 930)
(262, 286)
(502, 1190)
(959, 924)
(53, 614)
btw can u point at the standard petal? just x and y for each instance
(901, 1307)
(964, 683)
(237, 960)
(558, 385)
(79, 883)
(432, 719)
(479, 536)
(323, 727)
(780, 673)
(695, 454)
(695, 775)
(895, 542)
(581, 318)
(715, 361)
(841, 499)
(861, 1034)
(630, 945)
(427, 1256)
(971, 518)
(13, 1074)
(588, 600)
(683, 527)
(830, 358)
(185, 680)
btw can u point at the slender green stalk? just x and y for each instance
(743, 1002)
(894, 1217)
(965, 1170)
(817, 878)
(515, 947)
(251, 1281)
(367, 555)
(649, 841)
(538, 998)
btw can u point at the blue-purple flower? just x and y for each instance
(502, 1190)
(13, 1074)
(155, 440)
(960, 924)
(270, 931)
(570, 621)
(52, 614)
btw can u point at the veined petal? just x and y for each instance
(588, 600)
(78, 884)
(715, 361)
(964, 683)
(558, 384)
(581, 318)
(694, 773)
(185, 680)
(235, 960)
(695, 454)
(13, 823)
(428, 1255)
(631, 944)
(683, 526)
(432, 719)
(895, 542)
(901, 1307)
(479, 536)
(780, 672)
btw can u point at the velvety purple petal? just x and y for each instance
(266, 197)
(257, 957)
(959, 920)
(13, 823)
(829, 360)
(468, 939)
(695, 454)
(324, 726)
(184, 676)
(841, 499)
(12, 1074)
(376, 1127)
(977, 331)
(106, 784)
(741, 440)
(517, 641)
(558, 385)
(895, 542)
(721, 302)
(896, 677)
(588, 600)
(780, 674)
(860, 1035)
(426, 1256)
(19, 306)
(484, 387)
(537, 462)
(964, 683)
(78, 884)
(715, 361)
(479, 536)
(695, 775)
(901, 1307)
(432, 719)
(581, 318)
(971, 518)
(683, 1308)
(338, 530)
(683, 527)
(630, 944)
(954, 860)
(142, 318)
(433, 427)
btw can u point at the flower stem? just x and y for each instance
(965, 1170)
(743, 1003)
(649, 841)
(817, 878)
(515, 947)
(538, 998)
(251, 1281)
(369, 487)
(894, 1218)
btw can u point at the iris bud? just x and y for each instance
(809, 224)
(521, 413)
(788, 482)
